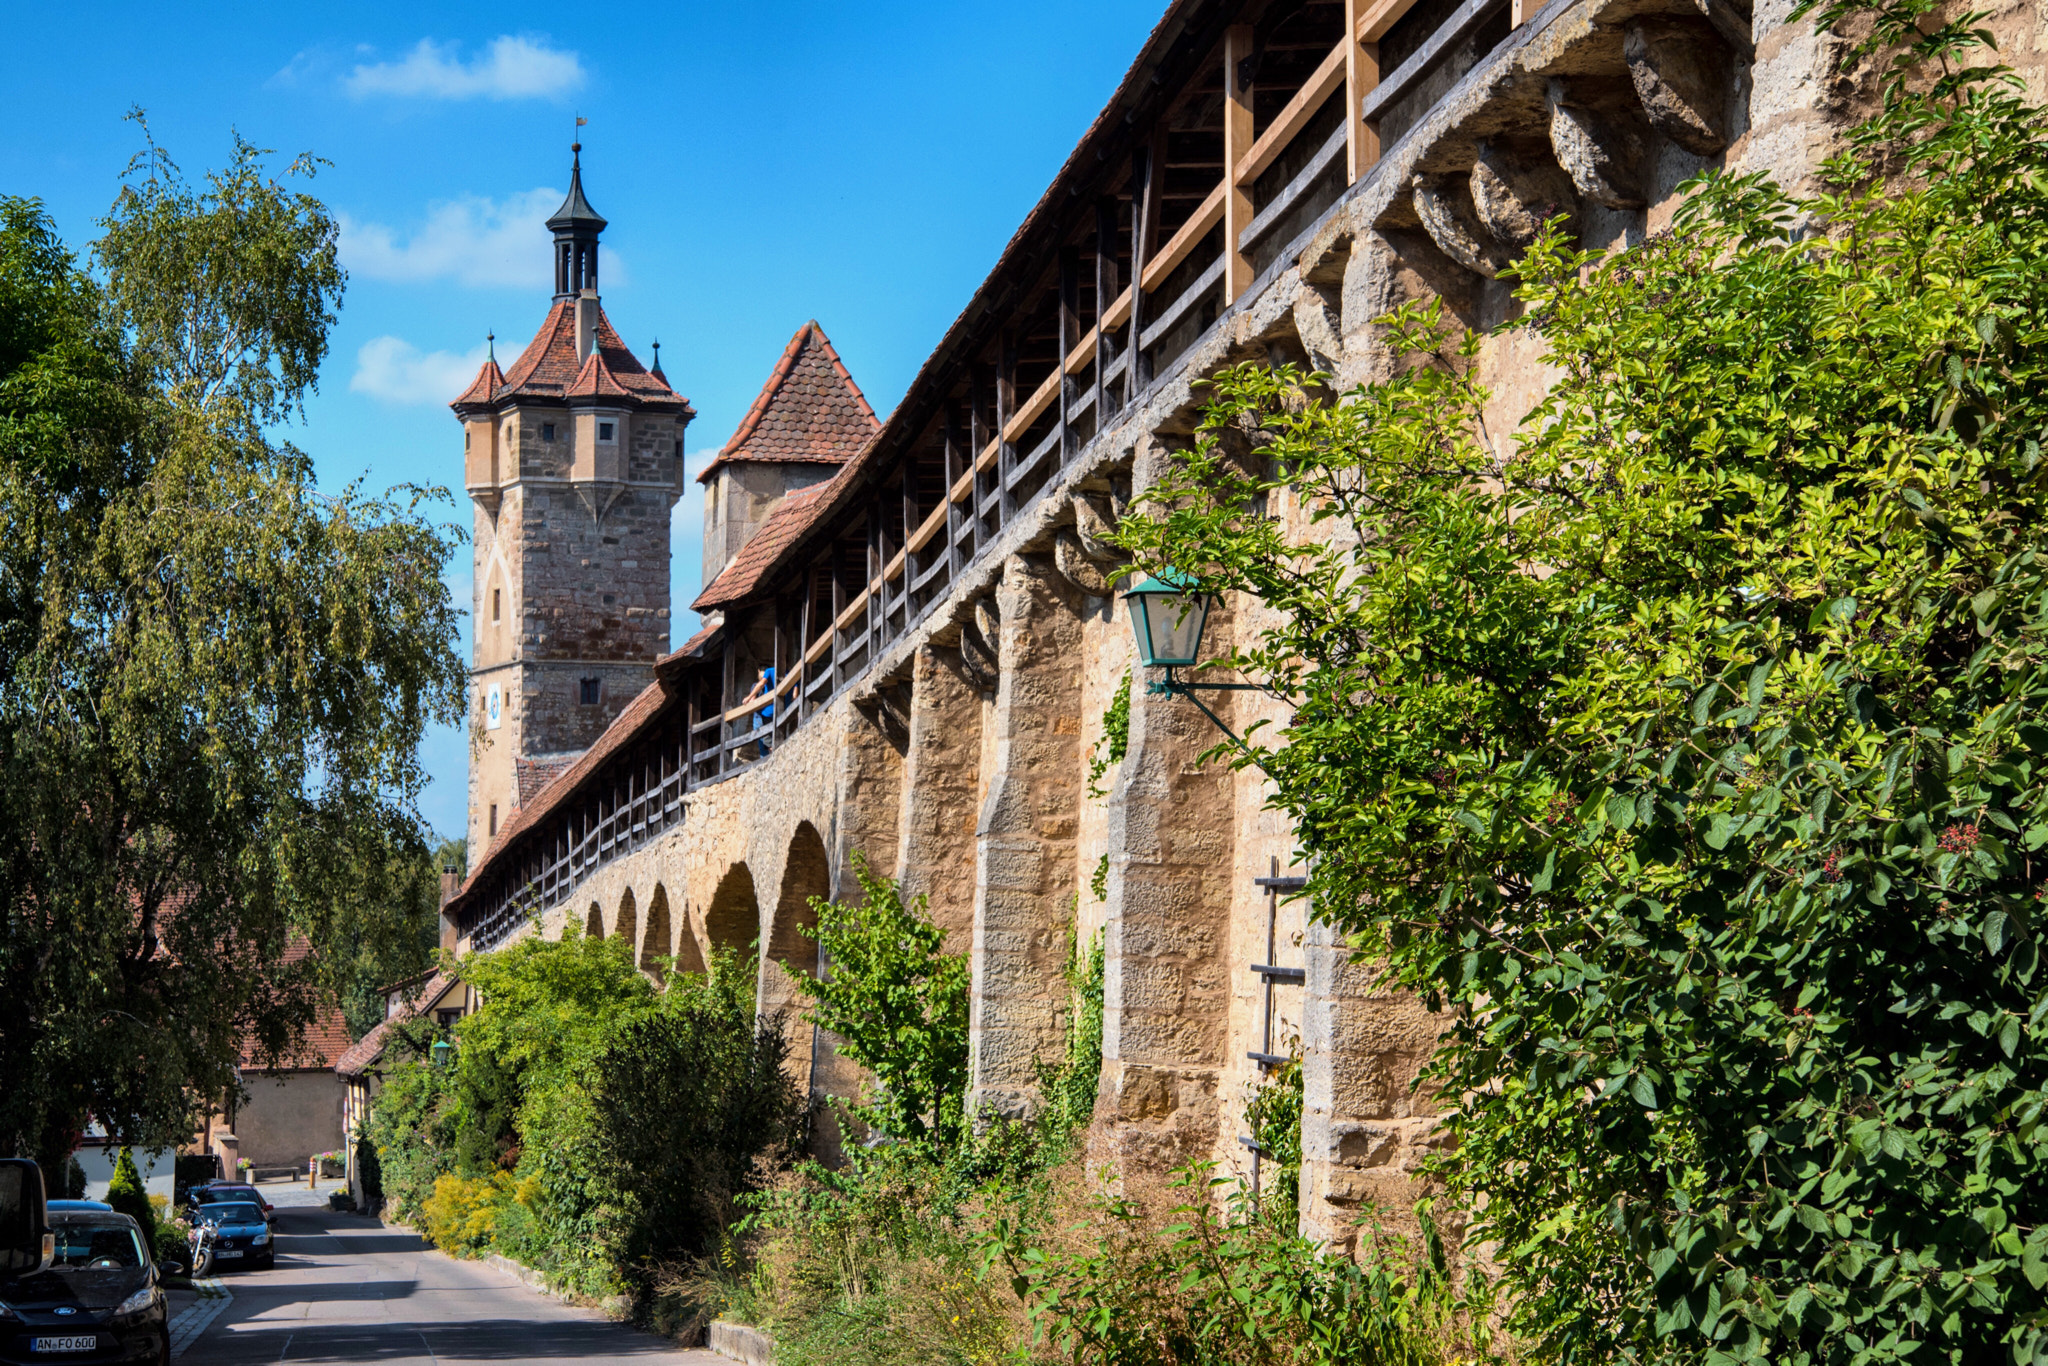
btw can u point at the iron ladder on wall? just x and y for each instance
(1273, 976)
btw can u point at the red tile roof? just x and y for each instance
(326, 1033)
(535, 774)
(743, 573)
(358, 1057)
(621, 734)
(483, 388)
(809, 411)
(615, 737)
(549, 368)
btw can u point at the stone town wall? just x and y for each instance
(960, 761)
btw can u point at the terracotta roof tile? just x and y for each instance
(535, 774)
(483, 388)
(326, 1033)
(743, 573)
(809, 411)
(549, 368)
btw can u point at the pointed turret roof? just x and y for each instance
(810, 411)
(483, 388)
(548, 368)
(576, 211)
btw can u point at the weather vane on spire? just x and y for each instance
(577, 145)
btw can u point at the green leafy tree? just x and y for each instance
(688, 1101)
(213, 676)
(127, 1195)
(898, 1003)
(1684, 745)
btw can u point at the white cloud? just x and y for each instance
(474, 240)
(511, 68)
(393, 370)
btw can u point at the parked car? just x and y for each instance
(241, 1235)
(219, 1192)
(97, 1300)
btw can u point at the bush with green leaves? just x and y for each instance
(898, 1005)
(126, 1194)
(1685, 744)
(589, 1124)
(1221, 1285)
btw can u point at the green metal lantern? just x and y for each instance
(442, 1048)
(1167, 618)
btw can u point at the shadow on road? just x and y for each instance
(471, 1340)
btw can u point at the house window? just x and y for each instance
(445, 1018)
(604, 431)
(590, 692)
(494, 820)
(495, 594)
(547, 431)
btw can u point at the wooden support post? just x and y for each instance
(953, 467)
(838, 609)
(725, 697)
(803, 642)
(1148, 195)
(1070, 337)
(1006, 408)
(1361, 74)
(691, 691)
(979, 397)
(1105, 294)
(910, 525)
(1237, 140)
(876, 590)
(781, 666)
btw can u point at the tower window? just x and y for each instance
(496, 593)
(590, 689)
(679, 448)
(494, 820)
(466, 435)
(604, 431)
(547, 431)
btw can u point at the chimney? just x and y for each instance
(586, 324)
(451, 883)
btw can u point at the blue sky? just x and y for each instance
(760, 164)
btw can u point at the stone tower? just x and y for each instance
(574, 460)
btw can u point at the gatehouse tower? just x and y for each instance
(573, 459)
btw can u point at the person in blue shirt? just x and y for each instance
(764, 719)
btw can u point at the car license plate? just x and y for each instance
(76, 1344)
(225, 1256)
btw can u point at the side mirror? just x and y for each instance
(26, 1242)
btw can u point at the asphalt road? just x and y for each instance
(347, 1288)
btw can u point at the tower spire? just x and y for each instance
(576, 227)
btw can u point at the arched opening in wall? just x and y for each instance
(661, 941)
(627, 927)
(733, 919)
(593, 924)
(806, 873)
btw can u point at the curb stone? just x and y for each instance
(739, 1342)
(195, 1318)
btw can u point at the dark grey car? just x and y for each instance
(98, 1301)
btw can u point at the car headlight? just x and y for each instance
(262, 1237)
(136, 1305)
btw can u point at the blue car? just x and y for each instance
(240, 1236)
